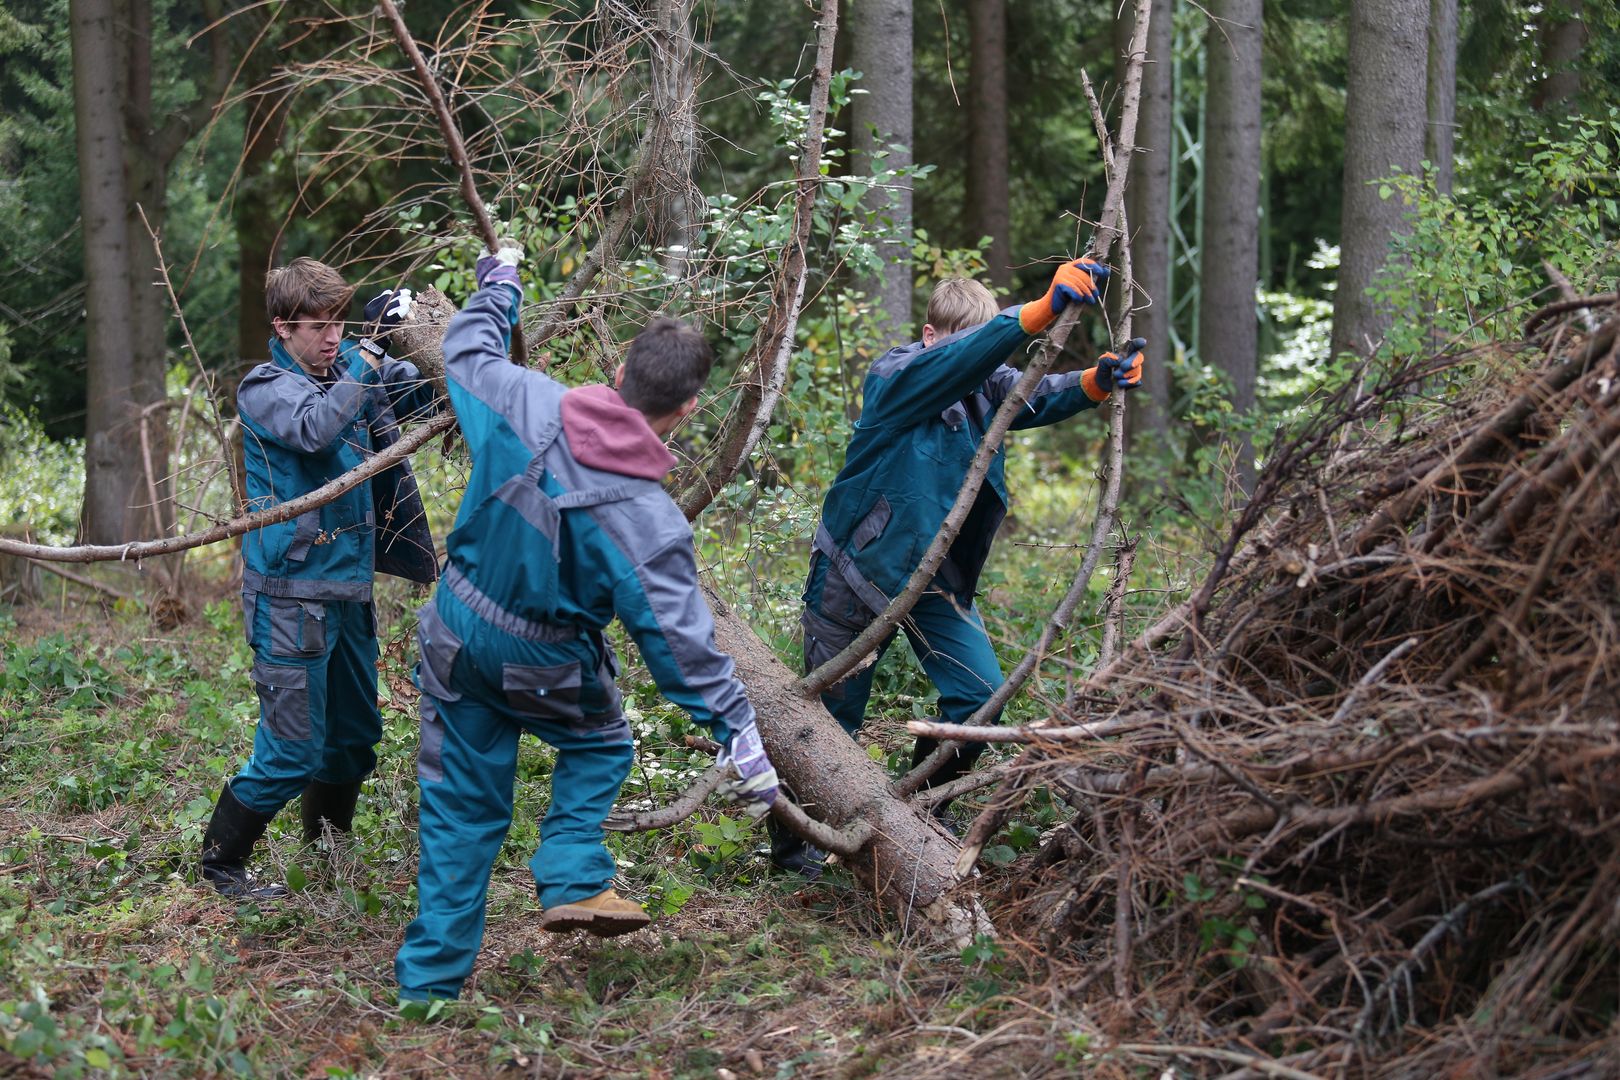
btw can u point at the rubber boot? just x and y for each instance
(792, 853)
(232, 832)
(325, 804)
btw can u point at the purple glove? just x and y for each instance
(499, 268)
(751, 779)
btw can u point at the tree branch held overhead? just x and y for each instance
(770, 354)
(454, 144)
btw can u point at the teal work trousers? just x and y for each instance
(482, 689)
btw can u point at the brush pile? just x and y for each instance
(1362, 816)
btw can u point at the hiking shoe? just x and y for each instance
(606, 914)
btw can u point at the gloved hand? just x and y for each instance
(499, 268)
(385, 311)
(1076, 281)
(1122, 369)
(751, 779)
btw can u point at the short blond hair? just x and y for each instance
(303, 287)
(958, 303)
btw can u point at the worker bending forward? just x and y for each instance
(564, 526)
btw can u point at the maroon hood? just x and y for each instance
(605, 433)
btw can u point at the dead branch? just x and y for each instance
(146, 549)
(772, 349)
(453, 143)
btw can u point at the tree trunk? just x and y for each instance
(1442, 132)
(1229, 327)
(1563, 36)
(909, 864)
(1384, 128)
(257, 215)
(989, 198)
(112, 436)
(1147, 205)
(881, 35)
(674, 68)
(124, 158)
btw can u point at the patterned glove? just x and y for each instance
(751, 779)
(387, 310)
(499, 268)
(1074, 282)
(1123, 370)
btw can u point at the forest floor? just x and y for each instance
(115, 961)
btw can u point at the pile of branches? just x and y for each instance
(1358, 814)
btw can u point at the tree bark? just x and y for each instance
(881, 36)
(112, 438)
(1563, 37)
(1229, 327)
(989, 197)
(1442, 131)
(1384, 128)
(124, 158)
(1147, 205)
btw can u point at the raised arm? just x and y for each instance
(292, 411)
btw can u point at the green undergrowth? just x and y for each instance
(114, 741)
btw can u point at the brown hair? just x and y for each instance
(667, 365)
(303, 287)
(958, 303)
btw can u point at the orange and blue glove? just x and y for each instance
(1076, 282)
(1123, 369)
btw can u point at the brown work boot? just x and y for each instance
(606, 915)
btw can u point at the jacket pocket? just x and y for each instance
(306, 528)
(283, 700)
(297, 627)
(544, 693)
(872, 525)
(439, 650)
(430, 755)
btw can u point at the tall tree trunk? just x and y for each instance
(1442, 90)
(257, 213)
(674, 68)
(1384, 127)
(1147, 205)
(124, 159)
(112, 443)
(989, 198)
(1563, 36)
(1229, 327)
(881, 36)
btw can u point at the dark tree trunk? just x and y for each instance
(881, 36)
(1442, 90)
(1229, 327)
(257, 213)
(1384, 126)
(1563, 37)
(989, 198)
(674, 68)
(1147, 204)
(112, 437)
(124, 158)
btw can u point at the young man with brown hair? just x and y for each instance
(320, 406)
(925, 408)
(565, 526)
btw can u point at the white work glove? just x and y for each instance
(750, 777)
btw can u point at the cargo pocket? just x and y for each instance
(439, 650)
(297, 627)
(283, 700)
(544, 693)
(823, 640)
(430, 755)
